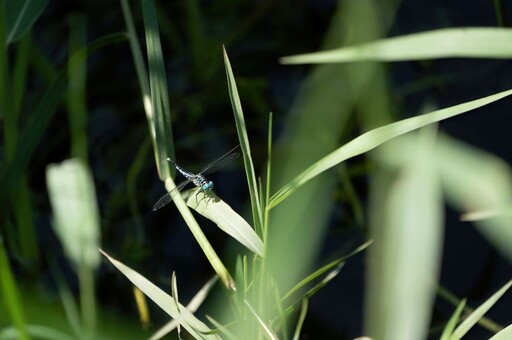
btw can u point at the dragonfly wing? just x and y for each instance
(165, 199)
(228, 156)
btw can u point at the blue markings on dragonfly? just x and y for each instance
(198, 179)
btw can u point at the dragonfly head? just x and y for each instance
(207, 186)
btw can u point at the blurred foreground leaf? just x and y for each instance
(406, 256)
(75, 210)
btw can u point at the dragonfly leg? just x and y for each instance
(198, 192)
(206, 197)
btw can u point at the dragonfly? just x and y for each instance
(197, 179)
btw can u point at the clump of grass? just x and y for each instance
(268, 292)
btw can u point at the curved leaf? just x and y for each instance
(376, 137)
(179, 312)
(216, 210)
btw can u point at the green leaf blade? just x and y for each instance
(473, 318)
(216, 210)
(166, 302)
(160, 116)
(469, 42)
(376, 137)
(244, 143)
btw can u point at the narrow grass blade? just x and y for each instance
(42, 114)
(140, 68)
(479, 215)
(313, 290)
(376, 137)
(201, 295)
(10, 295)
(142, 307)
(320, 271)
(37, 332)
(467, 42)
(484, 322)
(262, 324)
(24, 50)
(9, 116)
(302, 317)
(21, 15)
(268, 176)
(132, 188)
(222, 329)
(161, 120)
(193, 325)
(194, 304)
(174, 290)
(68, 303)
(278, 303)
(240, 273)
(473, 318)
(11, 92)
(452, 323)
(216, 210)
(76, 96)
(244, 143)
(42, 64)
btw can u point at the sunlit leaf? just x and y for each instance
(452, 323)
(194, 304)
(469, 42)
(473, 318)
(216, 210)
(244, 141)
(160, 115)
(376, 137)
(193, 325)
